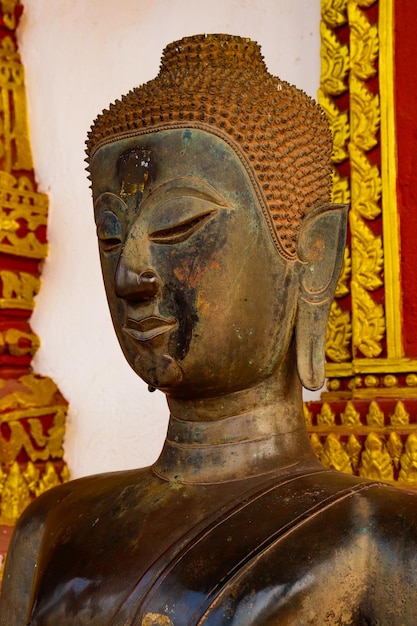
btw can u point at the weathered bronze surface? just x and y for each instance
(220, 256)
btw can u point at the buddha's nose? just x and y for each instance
(135, 286)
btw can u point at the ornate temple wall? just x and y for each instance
(366, 420)
(78, 57)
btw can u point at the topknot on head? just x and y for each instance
(229, 51)
(220, 83)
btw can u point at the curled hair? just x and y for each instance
(220, 83)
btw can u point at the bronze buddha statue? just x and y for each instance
(220, 254)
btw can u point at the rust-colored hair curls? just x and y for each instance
(220, 83)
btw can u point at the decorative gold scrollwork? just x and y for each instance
(400, 417)
(365, 4)
(408, 471)
(350, 416)
(376, 462)
(353, 448)
(348, 67)
(342, 288)
(316, 444)
(338, 334)
(333, 12)
(365, 185)
(19, 486)
(335, 64)
(365, 115)
(15, 494)
(20, 203)
(18, 343)
(340, 188)
(16, 152)
(308, 416)
(367, 255)
(339, 125)
(326, 417)
(364, 43)
(7, 9)
(47, 446)
(22, 411)
(18, 290)
(375, 417)
(30, 391)
(395, 448)
(368, 322)
(358, 439)
(334, 456)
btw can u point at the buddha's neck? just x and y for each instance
(244, 434)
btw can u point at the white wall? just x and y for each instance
(80, 55)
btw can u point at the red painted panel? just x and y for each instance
(405, 65)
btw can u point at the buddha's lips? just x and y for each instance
(148, 327)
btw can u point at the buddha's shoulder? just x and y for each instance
(381, 501)
(392, 512)
(83, 494)
(355, 523)
(86, 492)
(53, 510)
(359, 501)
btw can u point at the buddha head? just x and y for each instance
(219, 248)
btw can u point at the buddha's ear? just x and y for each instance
(320, 249)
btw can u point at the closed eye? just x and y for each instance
(108, 245)
(181, 231)
(109, 231)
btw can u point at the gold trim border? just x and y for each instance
(390, 223)
(368, 366)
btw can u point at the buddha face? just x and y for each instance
(201, 301)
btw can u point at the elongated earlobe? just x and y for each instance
(320, 250)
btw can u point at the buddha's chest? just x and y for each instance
(192, 564)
